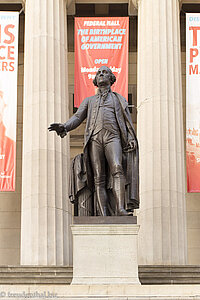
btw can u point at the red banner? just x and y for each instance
(192, 102)
(100, 42)
(8, 98)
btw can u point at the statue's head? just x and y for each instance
(104, 77)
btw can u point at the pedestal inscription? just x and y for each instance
(105, 253)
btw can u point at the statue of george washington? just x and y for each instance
(109, 166)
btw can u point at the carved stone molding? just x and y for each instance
(24, 5)
(135, 3)
(70, 7)
(180, 3)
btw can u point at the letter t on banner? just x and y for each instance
(100, 42)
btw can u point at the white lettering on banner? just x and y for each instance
(101, 46)
(102, 23)
(95, 23)
(107, 31)
(113, 23)
(95, 69)
(100, 41)
(101, 61)
(106, 39)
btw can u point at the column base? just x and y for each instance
(105, 253)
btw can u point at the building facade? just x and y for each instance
(35, 219)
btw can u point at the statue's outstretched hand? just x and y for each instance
(59, 128)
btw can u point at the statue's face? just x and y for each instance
(103, 76)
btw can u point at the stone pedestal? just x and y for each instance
(105, 253)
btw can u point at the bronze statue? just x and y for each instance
(109, 167)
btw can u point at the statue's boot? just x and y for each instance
(122, 212)
(119, 194)
(102, 199)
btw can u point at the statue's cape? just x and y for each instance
(131, 160)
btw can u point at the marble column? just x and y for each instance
(45, 211)
(162, 216)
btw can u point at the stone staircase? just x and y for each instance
(35, 275)
(169, 274)
(63, 275)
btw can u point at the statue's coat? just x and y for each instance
(89, 109)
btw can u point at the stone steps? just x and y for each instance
(35, 275)
(63, 275)
(169, 274)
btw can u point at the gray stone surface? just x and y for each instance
(105, 254)
(105, 220)
(169, 274)
(148, 275)
(100, 292)
(35, 275)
